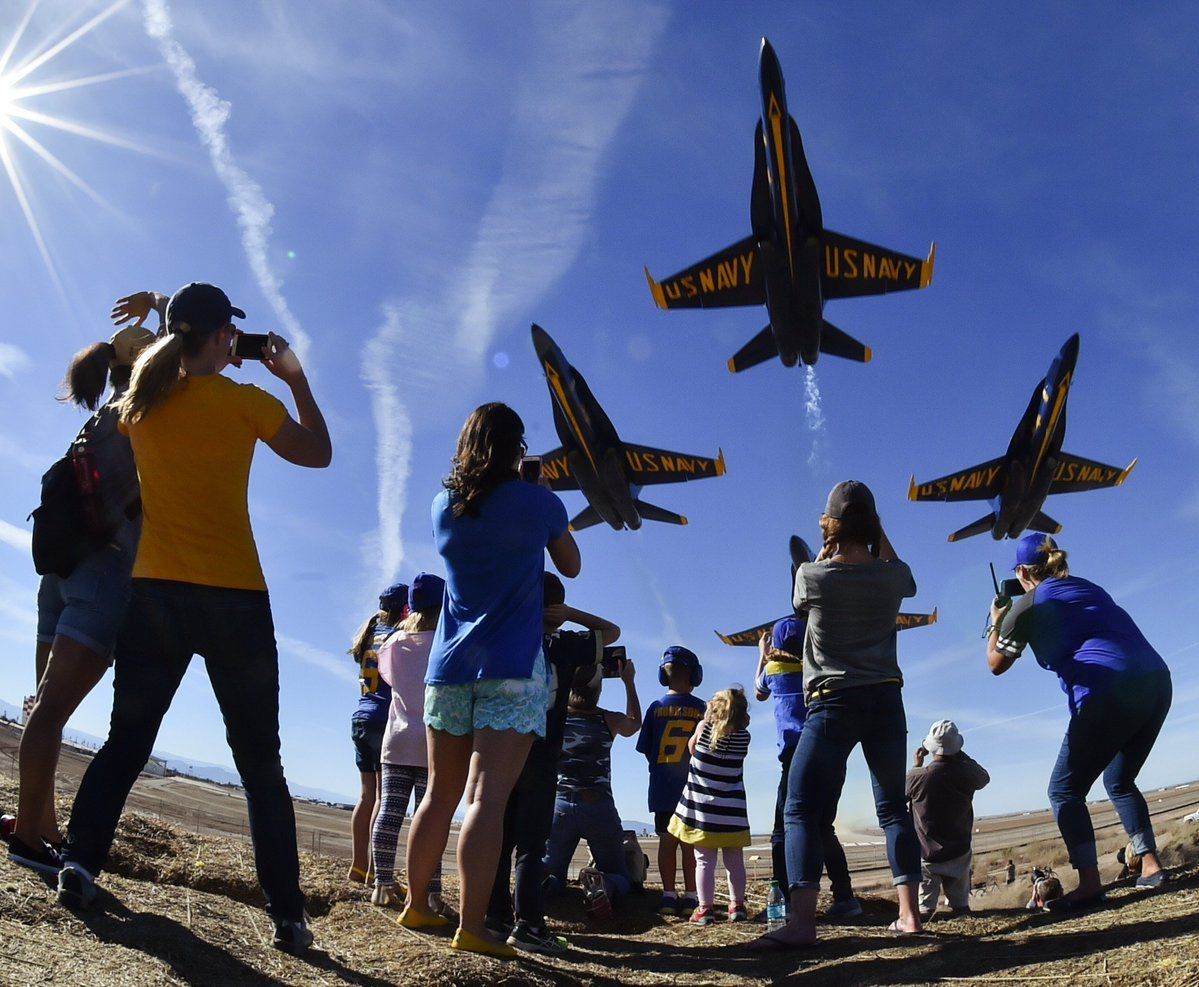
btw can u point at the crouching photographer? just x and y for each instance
(198, 587)
(1118, 690)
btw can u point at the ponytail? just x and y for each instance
(87, 376)
(1054, 566)
(362, 640)
(155, 375)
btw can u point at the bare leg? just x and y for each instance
(1150, 864)
(449, 763)
(496, 762)
(688, 868)
(909, 908)
(667, 862)
(70, 672)
(360, 825)
(800, 929)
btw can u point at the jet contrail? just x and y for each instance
(815, 413)
(253, 210)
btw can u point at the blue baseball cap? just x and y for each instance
(394, 598)
(1033, 550)
(428, 591)
(788, 636)
(677, 654)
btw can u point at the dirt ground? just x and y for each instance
(182, 908)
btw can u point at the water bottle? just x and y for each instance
(776, 908)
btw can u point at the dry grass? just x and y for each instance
(184, 909)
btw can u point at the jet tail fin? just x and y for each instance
(834, 342)
(758, 350)
(585, 519)
(1043, 523)
(649, 512)
(984, 523)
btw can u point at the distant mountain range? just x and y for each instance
(220, 773)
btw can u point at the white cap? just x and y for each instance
(128, 343)
(943, 738)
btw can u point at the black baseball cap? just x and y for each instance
(200, 307)
(847, 494)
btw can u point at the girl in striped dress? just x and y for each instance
(712, 815)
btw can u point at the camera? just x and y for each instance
(248, 345)
(1006, 590)
(530, 469)
(613, 661)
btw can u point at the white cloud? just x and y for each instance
(569, 105)
(339, 666)
(13, 360)
(209, 115)
(18, 538)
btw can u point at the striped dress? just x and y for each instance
(712, 811)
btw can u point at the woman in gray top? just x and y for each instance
(851, 595)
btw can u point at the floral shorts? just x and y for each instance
(491, 704)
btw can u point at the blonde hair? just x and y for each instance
(728, 711)
(155, 374)
(421, 620)
(366, 633)
(1054, 566)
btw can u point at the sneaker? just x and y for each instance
(702, 916)
(597, 903)
(292, 937)
(76, 887)
(40, 858)
(849, 908)
(8, 825)
(669, 905)
(498, 928)
(388, 896)
(687, 904)
(737, 912)
(1153, 881)
(531, 940)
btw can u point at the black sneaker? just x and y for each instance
(498, 927)
(530, 940)
(76, 887)
(42, 858)
(292, 937)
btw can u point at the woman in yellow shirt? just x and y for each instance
(198, 587)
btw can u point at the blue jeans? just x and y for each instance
(1111, 734)
(587, 815)
(835, 864)
(232, 629)
(870, 715)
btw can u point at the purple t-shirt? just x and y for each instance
(491, 626)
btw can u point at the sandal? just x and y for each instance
(771, 943)
(896, 931)
(1067, 904)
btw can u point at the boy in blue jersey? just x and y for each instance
(668, 725)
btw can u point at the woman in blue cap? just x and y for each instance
(368, 722)
(1118, 689)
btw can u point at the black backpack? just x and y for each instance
(68, 524)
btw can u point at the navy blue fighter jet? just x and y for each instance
(800, 553)
(593, 459)
(1033, 467)
(790, 263)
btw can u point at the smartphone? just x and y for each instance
(530, 469)
(613, 661)
(248, 345)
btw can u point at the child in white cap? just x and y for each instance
(942, 799)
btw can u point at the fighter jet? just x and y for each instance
(790, 263)
(800, 553)
(592, 458)
(1034, 466)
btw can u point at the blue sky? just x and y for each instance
(404, 187)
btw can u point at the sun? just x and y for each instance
(18, 111)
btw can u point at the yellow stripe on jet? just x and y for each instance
(776, 125)
(560, 393)
(1062, 391)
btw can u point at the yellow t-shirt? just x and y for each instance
(193, 456)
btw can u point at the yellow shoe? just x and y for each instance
(473, 944)
(410, 918)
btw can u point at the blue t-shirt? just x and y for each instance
(1076, 630)
(490, 626)
(668, 725)
(375, 698)
(783, 679)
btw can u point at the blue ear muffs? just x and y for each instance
(682, 656)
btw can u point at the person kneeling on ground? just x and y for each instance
(942, 799)
(519, 915)
(585, 808)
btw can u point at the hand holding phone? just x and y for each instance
(248, 345)
(530, 469)
(613, 661)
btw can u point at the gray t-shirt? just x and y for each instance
(851, 611)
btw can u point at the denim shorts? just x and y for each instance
(490, 704)
(88, 606)
(367, 736)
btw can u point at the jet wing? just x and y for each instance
(752, 635)
(1075, 473)
(855, 267)
(981, 482)
(647, 465)
(555, 469)
(731, 277)
(906, 621)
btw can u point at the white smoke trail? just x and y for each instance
(815, 416)
(249, 204)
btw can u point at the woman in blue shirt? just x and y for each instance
(1118, 689)
(486, 690)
